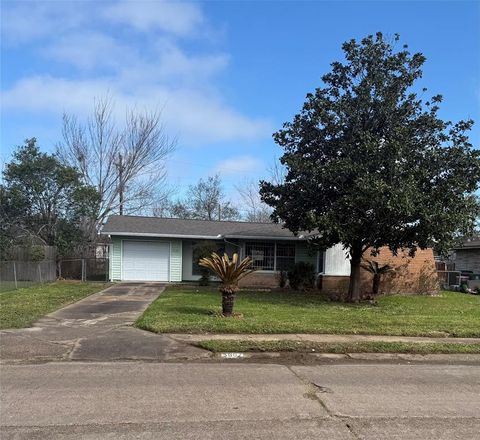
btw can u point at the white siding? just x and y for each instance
(116, 259)
(176, 261)
(337, 261)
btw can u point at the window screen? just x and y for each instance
(285, 256)
(263, 255)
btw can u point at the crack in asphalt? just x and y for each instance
(311, 387)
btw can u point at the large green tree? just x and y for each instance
(44, 200)
(370, 163)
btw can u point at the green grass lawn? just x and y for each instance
(338, 347)
(183, 309)
(20, 308)
(6, 286)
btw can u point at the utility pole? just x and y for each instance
(219, 212)
(120, 182)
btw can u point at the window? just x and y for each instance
(285, 256)
(321, 261)
(268, 256)
(263, 255)
(195, 266)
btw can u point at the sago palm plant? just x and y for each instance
(374, 268)
(230, 272)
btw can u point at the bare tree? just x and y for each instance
(125, 164)
(255, 209)
(204, 201)
(277, 172)
(162, 207)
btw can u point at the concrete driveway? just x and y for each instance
(99, 328)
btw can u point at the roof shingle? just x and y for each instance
(123, 224)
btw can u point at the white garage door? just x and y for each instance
(145, 261)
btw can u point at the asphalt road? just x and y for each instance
(141, 400)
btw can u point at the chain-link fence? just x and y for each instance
(17, 274)
(84, 269)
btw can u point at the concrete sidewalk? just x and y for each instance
(191, 338)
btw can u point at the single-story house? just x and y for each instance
(466, 255)
(161, 249)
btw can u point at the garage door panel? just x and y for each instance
(145, 261)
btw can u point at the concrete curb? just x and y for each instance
(328, 338)
(313, 358)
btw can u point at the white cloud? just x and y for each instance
(89, 50)
(27, 20)
(238, 165)
(196, 117)
(148, 70)
(174, 62)
(178, 18)
(23, 21)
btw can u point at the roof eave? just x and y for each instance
(262, 237)
(150, 234)
(202, 237)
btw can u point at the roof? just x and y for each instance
(183, 228)
(469, 243)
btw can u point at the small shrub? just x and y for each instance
(301, 276)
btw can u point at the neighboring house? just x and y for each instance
(467, 255)
(161, 249)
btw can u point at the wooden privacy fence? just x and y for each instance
(32, 253)
(14, 274)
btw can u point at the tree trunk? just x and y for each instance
(227, 303)
(354, 286)
(376, 284)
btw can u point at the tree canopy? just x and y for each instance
(44, 200)
(370, 163)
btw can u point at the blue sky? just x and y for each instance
(226, 74)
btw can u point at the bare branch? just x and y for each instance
(94, 148)
(256, 210)
(277, 172)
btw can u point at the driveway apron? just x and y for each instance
(97, 328)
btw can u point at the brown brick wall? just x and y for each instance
(334, 285)
(259, 279)
(410, 275)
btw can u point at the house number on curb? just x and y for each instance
(232, 355)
